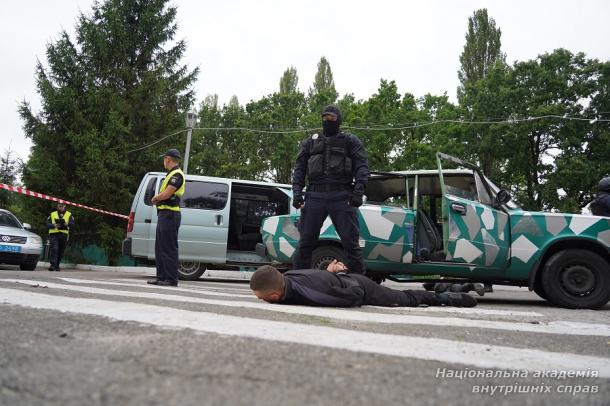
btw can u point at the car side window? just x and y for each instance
(462, 186)
(150, 191)
(205, 195)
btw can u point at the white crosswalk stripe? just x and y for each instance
(230, 293)
(566, 328)
(63, 295)
(478, 355)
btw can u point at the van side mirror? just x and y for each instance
(27, 226)
(503, 197)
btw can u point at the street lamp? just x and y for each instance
(191, 120)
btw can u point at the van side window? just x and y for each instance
(205, 195)
(150, 191)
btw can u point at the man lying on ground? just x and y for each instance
(333, 287)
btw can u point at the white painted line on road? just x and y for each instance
(147, 286)
(552, 327)
(439, 309)
(431, 349)
(193, 285)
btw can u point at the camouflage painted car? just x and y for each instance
(455, 224)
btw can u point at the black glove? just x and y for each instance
(355, 199)
(298, 201)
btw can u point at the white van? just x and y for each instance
(221, 221)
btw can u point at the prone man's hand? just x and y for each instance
(336, 266)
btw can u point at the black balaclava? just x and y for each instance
(331, 128)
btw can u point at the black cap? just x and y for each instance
(333, 111)
(174, 153)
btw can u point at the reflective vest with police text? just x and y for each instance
(57, 219)
(173, 203)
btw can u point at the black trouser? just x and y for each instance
(57, 247)
(166, 245)
(319, 205)
(377, 295)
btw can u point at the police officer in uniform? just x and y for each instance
(336, 167)
(58, 223)
(168, 222)
(600, 206)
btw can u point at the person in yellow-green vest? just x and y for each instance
(168, 220)
(59, 224)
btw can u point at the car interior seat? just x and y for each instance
(428, 239)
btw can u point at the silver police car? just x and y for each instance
(18, 246)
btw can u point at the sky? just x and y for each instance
(242, 46)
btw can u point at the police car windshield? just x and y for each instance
(511, 203)
(8, 220)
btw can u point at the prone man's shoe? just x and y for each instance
(428, 285)
(458, 299)
(441, 287)
(479, 288)
(153, 282)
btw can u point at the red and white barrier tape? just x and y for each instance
(58, 200)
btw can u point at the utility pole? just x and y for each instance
(191, 119)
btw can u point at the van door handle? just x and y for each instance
(219, 219)
(458, 208)
(148, 221)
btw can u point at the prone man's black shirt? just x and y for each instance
(315, 287)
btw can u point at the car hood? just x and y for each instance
(19, 232)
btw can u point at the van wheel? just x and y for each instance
(577, 279)
(190, 270)
(322, 256)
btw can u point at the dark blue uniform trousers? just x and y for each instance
(166, 245)
(319, 205)
(58, 242)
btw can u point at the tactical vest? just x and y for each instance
(173, 203)
(329, 159)
(55, 220)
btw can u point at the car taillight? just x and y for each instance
(130, 222)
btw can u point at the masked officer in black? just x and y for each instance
(337, 171)
(600, 206)
(168, 222)
(59, 224)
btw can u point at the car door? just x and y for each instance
(474, 231)
(204, 229)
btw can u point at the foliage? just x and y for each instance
(118, 85)
(10, 167)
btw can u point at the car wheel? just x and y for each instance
(577, 279)
(28, 266)
(190, 270)
(539, 290)
(322, 256)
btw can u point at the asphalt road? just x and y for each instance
(107, 338)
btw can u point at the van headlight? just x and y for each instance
(36, 240)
